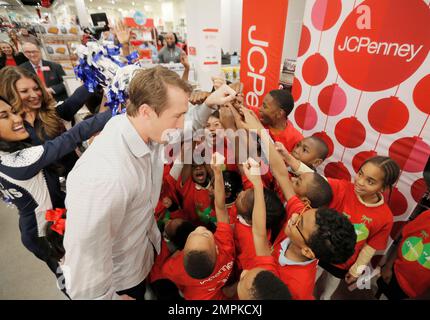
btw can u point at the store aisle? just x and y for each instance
(22, 275)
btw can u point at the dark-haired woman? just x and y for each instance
(25, 183)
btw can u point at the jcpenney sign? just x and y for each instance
(263, 28)
(381, 43)
(408, 51)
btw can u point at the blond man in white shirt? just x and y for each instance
(111, 234)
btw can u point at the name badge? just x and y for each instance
(45, 68)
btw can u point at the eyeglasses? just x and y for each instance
(299, 218)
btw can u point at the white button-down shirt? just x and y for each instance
(111, 195)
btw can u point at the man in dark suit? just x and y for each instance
(50, 73)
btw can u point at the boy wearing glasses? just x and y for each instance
(309, 234)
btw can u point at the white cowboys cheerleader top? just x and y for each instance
(25, 183)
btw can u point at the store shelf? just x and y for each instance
(59, 47)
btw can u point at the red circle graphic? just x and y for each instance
(315, 69)
(322, 135)
(305, 41)
(388, 115)
(332, 100)
(418, 189)
(382, 46)
(337, 170)
(397, 202)
(325, 13)
(360, 157)
(421, 94)
(306, 116)
(296, 89)
(350, 132)
(411, 153)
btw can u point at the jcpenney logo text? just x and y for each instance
(259, 80)
(359, 44)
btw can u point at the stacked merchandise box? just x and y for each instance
(59, 42)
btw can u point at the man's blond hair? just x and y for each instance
(150, 87)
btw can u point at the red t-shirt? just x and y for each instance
(211, 287)
(169, 185)
(300, 279)
(412, 266)
(196, 203)
(232, 213)
(245, 249)
(10, 62)
(267, 178)
(156, 271)
(168, 189)
(372, 224)
(268, 263)
(289, 137)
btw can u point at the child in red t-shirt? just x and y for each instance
(175, 235)
(196, 192)
(216, 140)
(312, 151)
(308, 233)
(168, 206)
(194, 187)
(205, 264)
(260, 282)
(273, 114)
(406, 274)
(275, 212)
(363, 203)
(306, 156)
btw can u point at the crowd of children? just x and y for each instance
(232, 231)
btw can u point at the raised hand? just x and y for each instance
(251, 119)
(237, 86)
(288, 158)
(223, 95)
(238, 118)
(251, 168)
(198, 97)
(246, 119)
(184, 60)
(217, 162)
(226, 118)
(218, 81)
(122, 33)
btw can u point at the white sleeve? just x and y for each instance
(197, 116)
(176, 169)
(91, 224)
(303, 169)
